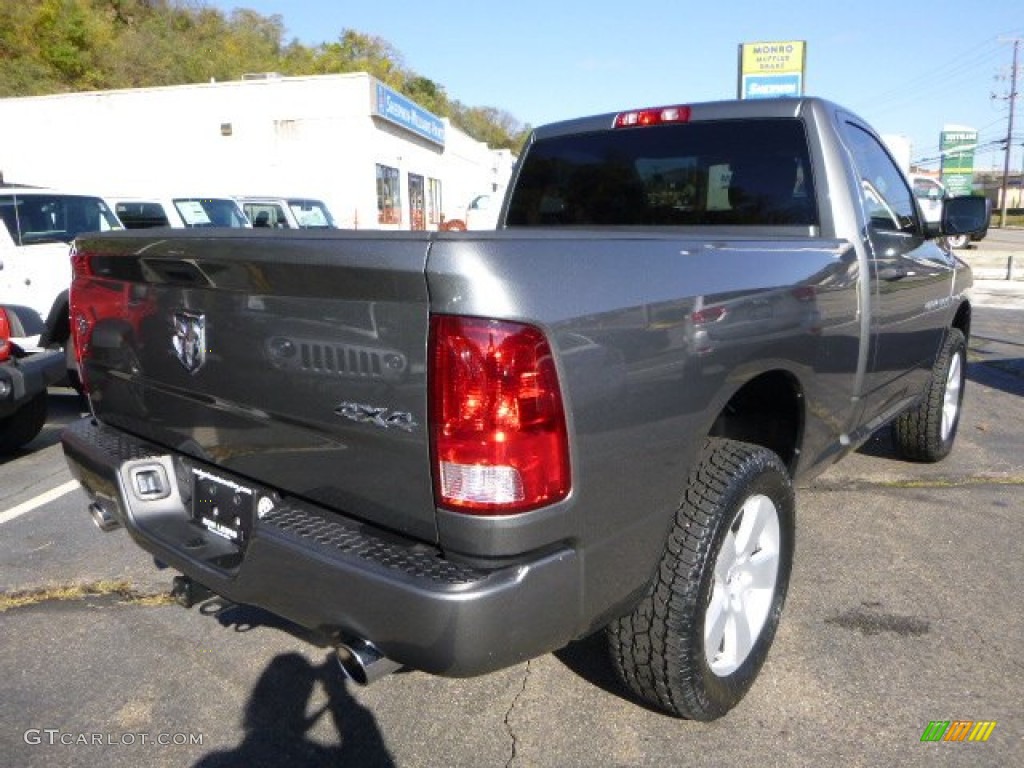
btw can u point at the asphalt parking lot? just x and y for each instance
(905, 608)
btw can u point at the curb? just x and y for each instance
(994, 265)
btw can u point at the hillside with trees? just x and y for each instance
(64, 46)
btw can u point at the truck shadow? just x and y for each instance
(880, 445)
(1003, 375)
(588, 658)
(279, 721)
(1006, 375)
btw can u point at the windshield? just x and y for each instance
(311, 214)
(210, 212)
(53, 218)
(927, 189)
(739, 172)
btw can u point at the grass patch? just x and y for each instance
(942, 482)
(65, 592)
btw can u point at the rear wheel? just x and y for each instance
(927, 432)
(24, 424)
(696, 642)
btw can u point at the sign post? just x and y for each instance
(958, 145)
(771, 70)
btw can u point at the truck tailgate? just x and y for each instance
(306, 372)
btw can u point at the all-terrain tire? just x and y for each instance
(695, 643)
(24, 424)
(927, 432)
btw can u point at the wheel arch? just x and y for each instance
(962, 319)
(767, 410)
(58, 322)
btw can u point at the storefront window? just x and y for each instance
(434, 201)
(389, 195)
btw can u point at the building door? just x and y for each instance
(417, 202)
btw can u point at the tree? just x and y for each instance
(55, 46)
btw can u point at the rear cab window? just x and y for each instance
(141, 215)
(722, 172)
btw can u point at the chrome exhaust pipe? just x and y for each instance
(362, 663)
(103, 517)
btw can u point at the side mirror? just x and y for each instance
(965, 215)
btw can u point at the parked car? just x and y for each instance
(930, 192)
(287, 212)
(37, 225)
(481, 214)
(24, 377)
(185, 212)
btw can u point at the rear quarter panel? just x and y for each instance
(645, 368)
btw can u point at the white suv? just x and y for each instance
(287, 212)
(180, 212)
(930, 194)
(37, 226)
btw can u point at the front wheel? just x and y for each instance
(695, 643)
(958, 241)
(927, 431)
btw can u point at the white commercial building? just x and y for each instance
(378, 159)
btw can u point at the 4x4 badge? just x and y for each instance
(377, 416)
(189, 339)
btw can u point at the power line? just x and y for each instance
(932, 74)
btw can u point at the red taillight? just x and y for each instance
(81, 263)
(498, 424)
(82, 313)
(5, 336)
(653, 116)
(708, 315)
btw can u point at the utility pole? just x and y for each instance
(1009, 131)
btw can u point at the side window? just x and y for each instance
(9, 218)
(888, 202)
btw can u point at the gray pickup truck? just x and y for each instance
(457, 451)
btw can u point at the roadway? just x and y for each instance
(904, 608)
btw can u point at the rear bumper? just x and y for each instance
(330, 573)
(22, 380)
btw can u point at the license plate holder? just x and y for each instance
(222, 506)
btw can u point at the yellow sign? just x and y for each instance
(772, 58)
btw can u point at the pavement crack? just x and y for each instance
(508, 717)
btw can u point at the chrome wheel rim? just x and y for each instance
(951, 397)
(745, 576)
